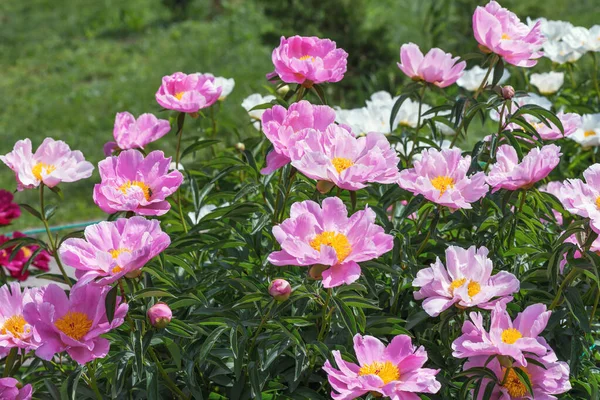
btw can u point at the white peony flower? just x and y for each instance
(204, 210)
(589, 133)
(594, 43)
(578, 38)
(408, 114)
(531, 98)
(226, 83)
(173, 165)
(552, 30)
(560, 52)
(549, 82)
(357, 119)
(252, 101)
(471, 79)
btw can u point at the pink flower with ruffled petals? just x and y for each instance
(73, 324)
(546, 381)
(15, 266)
(466, 281)
(441, 176)
(348, 162)
(52, 163)
(14, 330)
(10, 389)
(518, 339)
(508, 173)
(130, 133)
(436, 67)
(281, 126)
(499, 31)
(8, 209)
(111, 250)
(131, 182)
(188, 93)
(394, 371)
(570, 122)
(326, 236)
(308, 60)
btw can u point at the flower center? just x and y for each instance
(116, 252)
(39, 168)
(179, 95)
(442, 183)
(74, 324)
(14, 325)
(26, 252)
(513, 384)
(129, 184)
(598, 202)
(341, 164)
(116, 269)
(505, 36)
(338, 241)
(473, 288)
(307, 57)
(387, 371)
(589, 133)
(456, 284)
(511, 335)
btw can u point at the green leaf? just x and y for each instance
(110, 303)
(31, 211)
(498, 72)
(151, 292)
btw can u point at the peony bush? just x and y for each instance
(332, 253)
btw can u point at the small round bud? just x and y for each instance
(280, 289)
(160, 315)
(240, 146)
(508, 92)
(283, 90)
(133, 274)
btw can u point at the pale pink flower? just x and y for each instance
(395, 371)
(441, 177)
(188, 93)
(52, 163)
(10, 389)
(436, 67)
(326, 236)
(130, 133)
(570, 122)
(14, 330)
(466, 281)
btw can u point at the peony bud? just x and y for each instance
(316, 271)
(508, 92)
(280, 289)
(160, 315)
(240, 146)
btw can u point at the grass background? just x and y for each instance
(68, 66)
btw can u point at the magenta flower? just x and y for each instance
(466, 281)
(546, 381)
(130, 133)
(111, 250)
(160, 315)
(508, 173)
(14, 330)
(570, 122)
(309, 60)
(518, 339)
(348, 162)
(73, 324)
(441, 176)
(8, 209)
(10, 389)
(436, 67)
(326, 236)
(131, 182)
(281, 126)
(15, 266)
(499, 31)
(188, 93)
(394, 371)
(52, 163)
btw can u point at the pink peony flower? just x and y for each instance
(466, 281)
(336, 156)
(73, 324)
(518, 339)
(436, 67)
(8, 209)
(280, 289)
(498, 30)
(394, 371)
(15, 266)
(188, 93)
(281, 126)
(131, 182)
(130, 133)
(160, 315)
(441, 176)
(10, 389)
(570, 122)
(111, 250)
(14, 330)
(546, 381)
(594, 247)
(52, 163)
(508, 173)
(326, 236)
(309, 60)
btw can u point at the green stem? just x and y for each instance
(51, 239)
(177, 159)
(595, 306)
(595, 74)
(325, 316)
(487, 75)
(421, 95)
(523, 196)
(571, 76)
(564, 283)
(500, 128)
(10, 360)
(260, 326)
(291, 178)
(165, 376)
(93, 382)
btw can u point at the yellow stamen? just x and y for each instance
(129, 184)
(39, 168)
(511, 335)
(26, 252)
(505, 36)
(14, 325)
(516, 388)
(341, 164)
(473, 288)
(179, 95)
(598, 202)
(116, 252)
(74, 324)
(589, 133)
(456, 284)
(117, 269)
(387, 371)
(442, 183)
(338, 241)
(307, 57)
